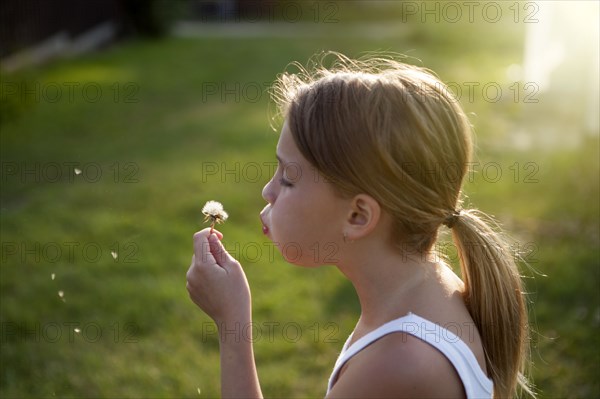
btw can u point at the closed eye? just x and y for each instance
(285, 183)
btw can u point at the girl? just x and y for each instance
(372, 156)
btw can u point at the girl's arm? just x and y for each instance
(238, 370)
(218, 285)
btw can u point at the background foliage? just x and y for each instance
(183, 120)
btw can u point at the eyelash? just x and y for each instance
(285, 183)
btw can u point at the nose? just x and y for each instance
(268, 193)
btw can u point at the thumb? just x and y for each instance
(223, 258)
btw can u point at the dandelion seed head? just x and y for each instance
(214, 212)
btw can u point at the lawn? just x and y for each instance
(102, 191)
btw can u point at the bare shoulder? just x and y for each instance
(398, 365)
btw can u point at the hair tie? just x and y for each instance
(451, 219)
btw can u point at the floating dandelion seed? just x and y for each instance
(77, 330)
(214, 212)
(114, 254)
(77, 171)
(199, 391)
(61, 294)
(52, 276)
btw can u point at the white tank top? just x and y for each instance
(475, 382)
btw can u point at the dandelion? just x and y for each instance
(214, 212)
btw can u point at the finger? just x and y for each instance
(190, 272)
(206, 232)
(201, 246)
(219, 234)
(222, 257)
(202, 253)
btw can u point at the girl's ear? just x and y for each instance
(363, 217)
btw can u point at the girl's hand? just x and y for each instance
(216, 281)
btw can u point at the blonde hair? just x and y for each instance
(394, 131)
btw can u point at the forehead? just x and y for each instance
(291, 159)
(286, 147)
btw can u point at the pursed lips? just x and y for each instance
(263, 213)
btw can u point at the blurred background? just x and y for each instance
(120, 118)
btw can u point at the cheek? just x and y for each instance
(288, 222)
(301, 236)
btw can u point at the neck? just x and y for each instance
(387, 283)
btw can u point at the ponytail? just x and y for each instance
(494, 296)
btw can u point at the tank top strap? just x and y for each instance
(475, 382)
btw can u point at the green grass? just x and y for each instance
(153, 155)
